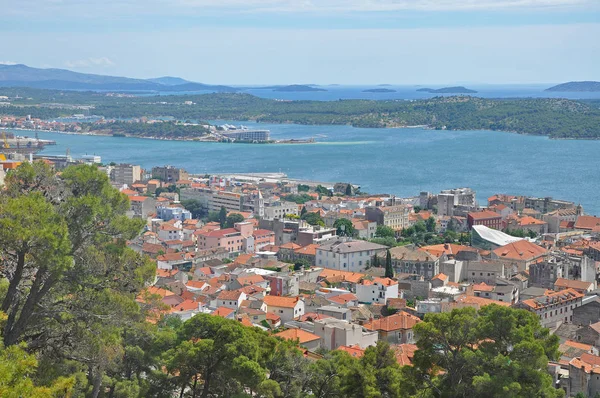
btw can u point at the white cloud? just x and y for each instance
(7, 63)
(90, 62)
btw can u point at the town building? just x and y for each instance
(395, 329)
(347, 255)
(448, 200)
(335, 333)
(377, 291)
(412, 260)
(237, 239)
(554, 308)
(125, 174)
(486, 218)
(169, 174)
(395, 217)
(287, 308)
(168, 213)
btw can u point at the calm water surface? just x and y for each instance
(398, 161)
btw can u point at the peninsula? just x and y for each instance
(552, 117)
(589, 86)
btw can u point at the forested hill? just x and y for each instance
(556, 118)
(589, 86)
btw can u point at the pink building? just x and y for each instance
(262, 238)
(236, 239)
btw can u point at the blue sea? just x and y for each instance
(399, 161)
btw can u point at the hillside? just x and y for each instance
(589, 86)
(62, 79)
(556, 118)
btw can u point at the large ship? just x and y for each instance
(12, 143)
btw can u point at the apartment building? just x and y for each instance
(395, 217)
(125, 174)
(169, 174)
(554, 308)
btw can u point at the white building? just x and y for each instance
(286, 308)
(231, 299)
(350, 255)
(336, 332)
(376, 291)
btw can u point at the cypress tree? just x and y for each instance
(389, 270)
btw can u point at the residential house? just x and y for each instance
(519, 255)
(589, 334)
(395, 329)
(231, 299)
(584, 375)
(142, 206)
(588, 312)
(335, 332)
(412, 260)
(580, 286)
(287, 308)
(236, 239)
(308, 340)
(377, 291)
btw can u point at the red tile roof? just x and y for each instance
(484, 215)
(520, 250)
(279, 301)
(223, 312)
(354, 350)
(297, 334)
(401, 320)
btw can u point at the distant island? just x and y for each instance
(379, 90)
(448, 90)
(297, 88)
(573, 87)
(383, 85)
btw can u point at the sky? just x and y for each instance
(310, 41)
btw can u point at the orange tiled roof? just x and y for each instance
(479, 301)
(483, 287)
(550, 298)
(223, 312)
(280, 301)
(400, 320)
(587, 222)
(309, 250)
(229, 295)
(520, 250)
(568, 283)
(404, 353)
(343, 298)
(352, 277)
(297, 334)
(250, 280)
(187, 305)
(484, 215)
(354, 350)
(441, 276)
